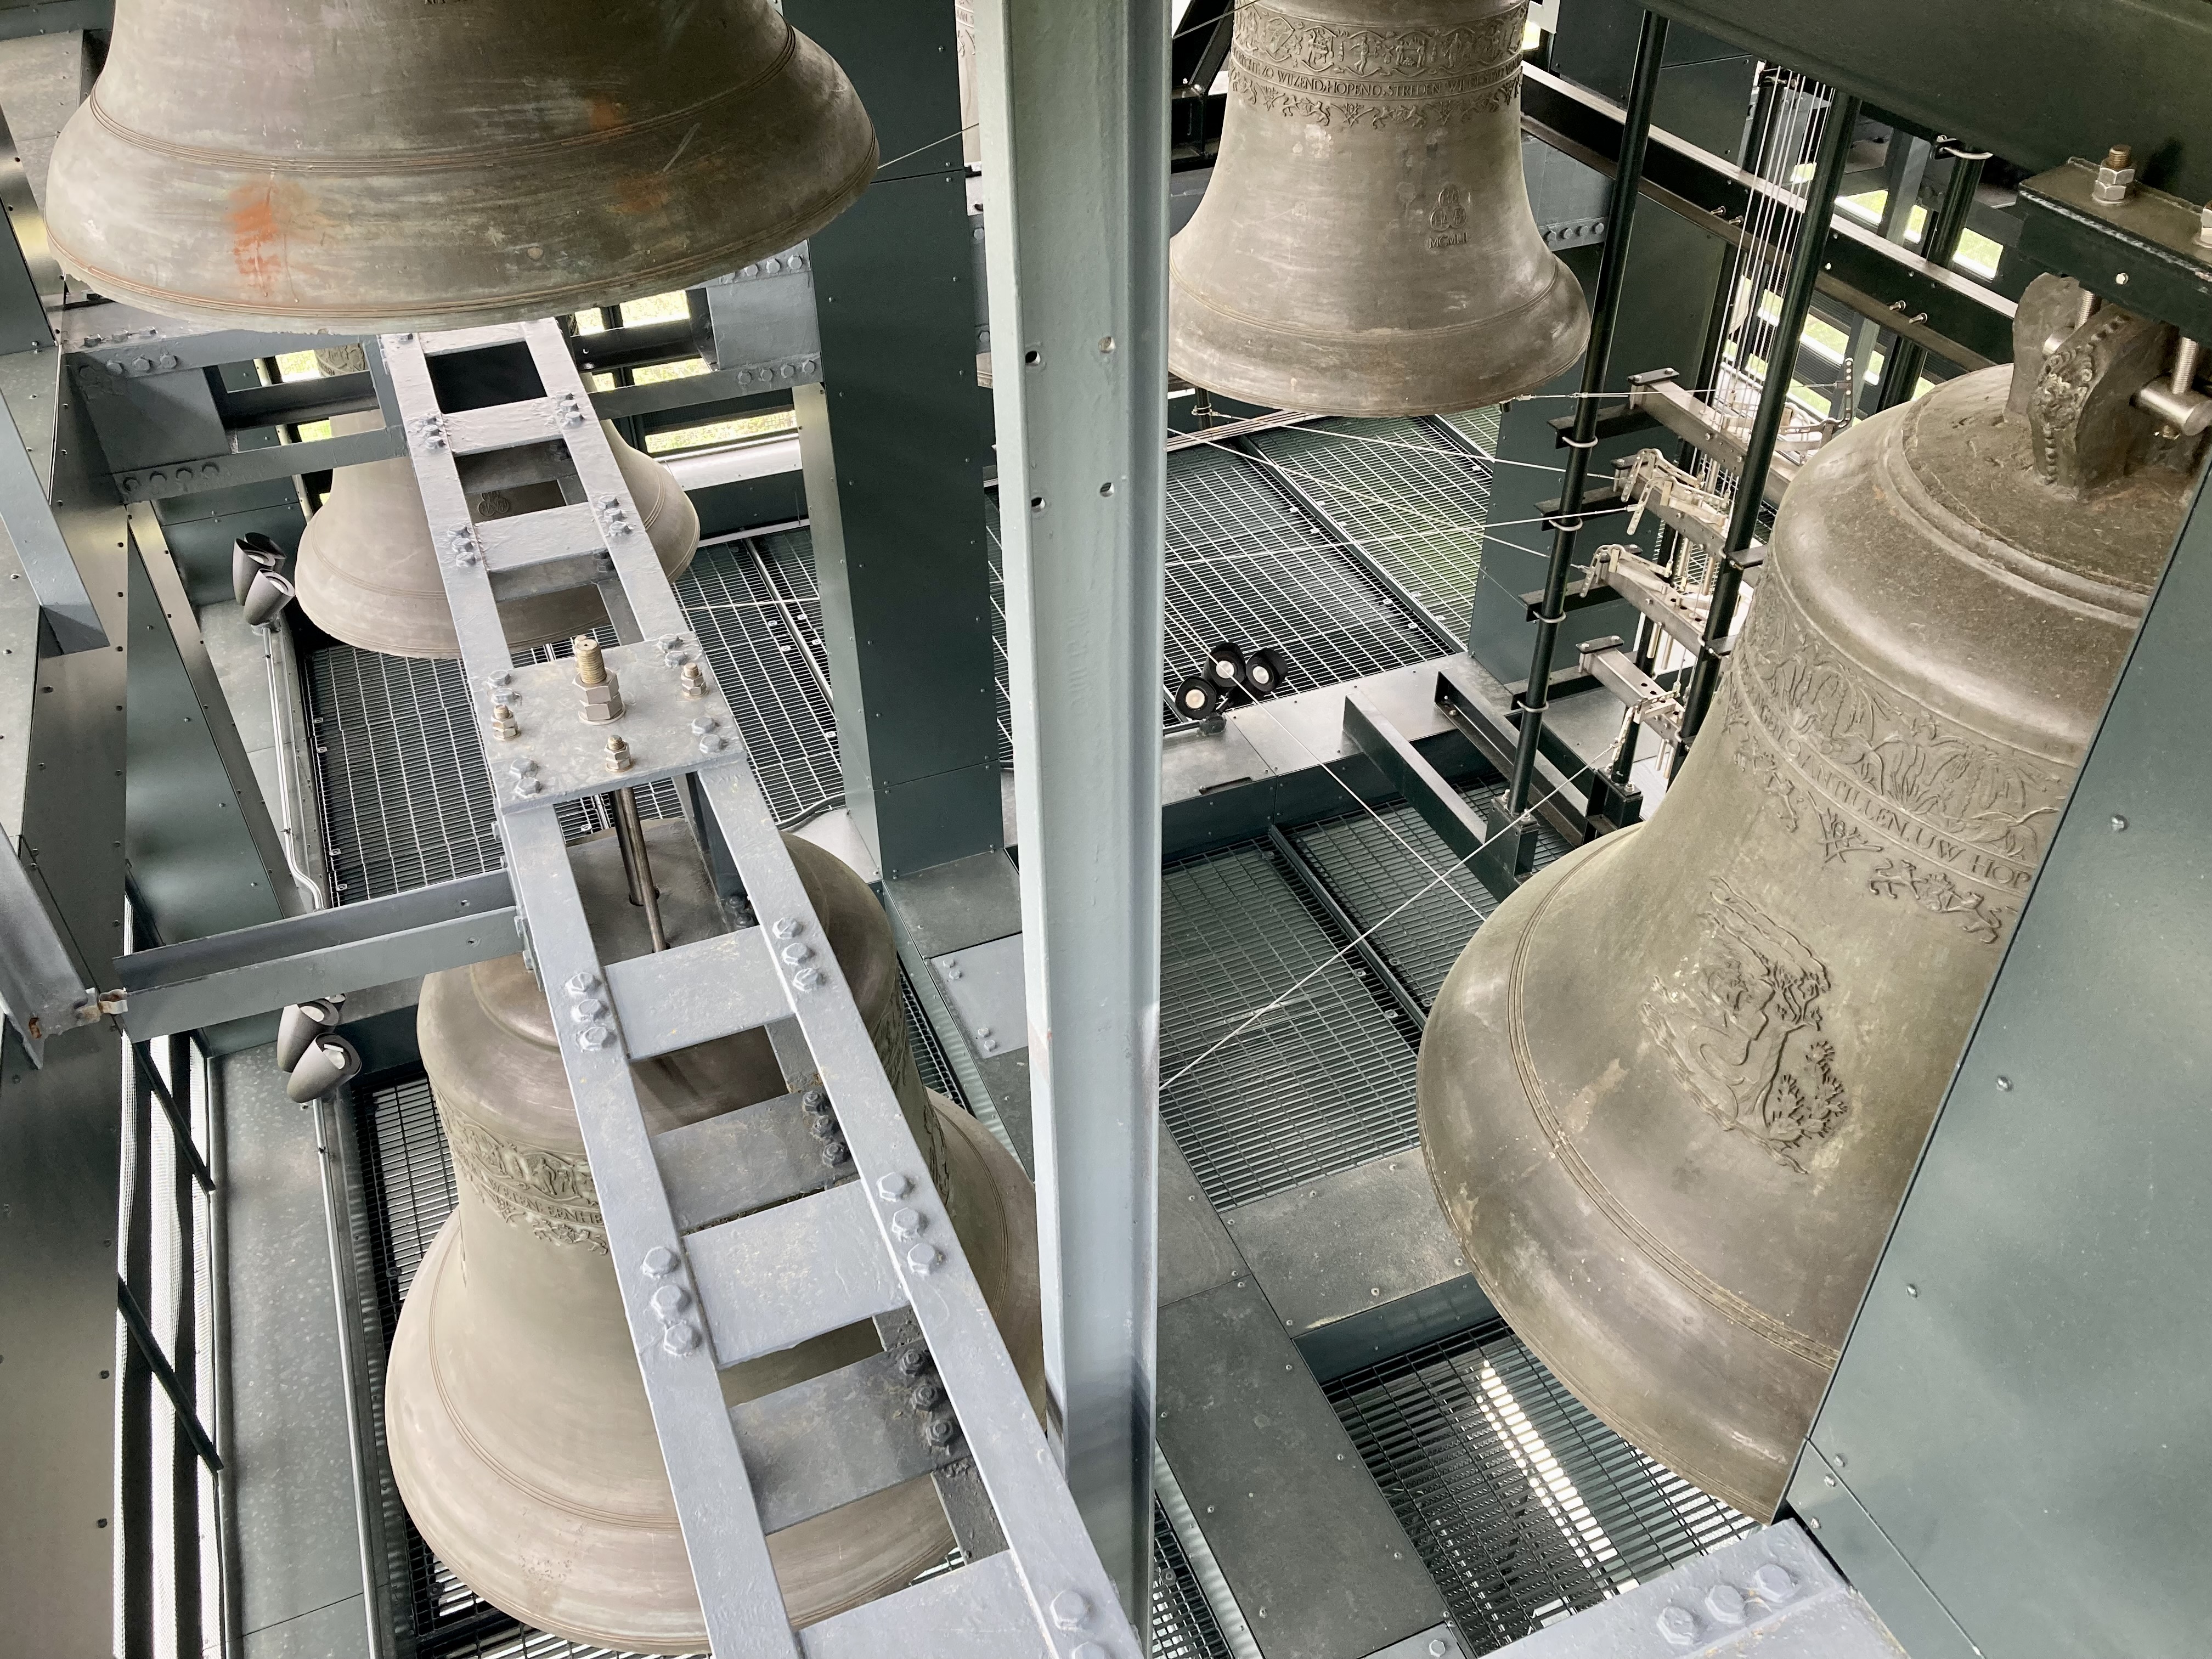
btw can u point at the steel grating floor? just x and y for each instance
(1413, 500)
(408, 1178)
(1524, 1506)
(1396, 877)
(406, 801)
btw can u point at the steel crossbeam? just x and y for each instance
(878, 1242)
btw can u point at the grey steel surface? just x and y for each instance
(723, 1166)
(298, 1542)
(697, 992)
(41, 548)
(1321, 1567)
(763, 321)
(1496, 843)
(2041, 1294)
(770, 1280)
(42, 991)
(1524, 1506)
(1772, 1593)
(983, 986)
(903, 580)
(253, 971)
(833, 1439)
(1074, 129)
(2144, 252)
(1983, 72)
(1049, 1553)
(1349, 1242)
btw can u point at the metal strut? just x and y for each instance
(813, 1248)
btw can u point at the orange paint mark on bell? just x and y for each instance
(642, 192)
(606, 114)
(258, 236)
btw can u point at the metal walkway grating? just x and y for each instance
(1393, 875)
(1413, 500)
(1524, 1506)
(406, 801)
(1279, 1062)
(1245, 565)
(407, 1176)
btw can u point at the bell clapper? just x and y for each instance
(637, 863)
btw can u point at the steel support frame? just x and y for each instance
(823, 1252)
(1767, 424)
(1605, 310)
(1073, 105)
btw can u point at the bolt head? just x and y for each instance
(1438, 1647)
(1679, 1626)
(659, 1261)
(807, 979)
(1725, 1603)
(926, 1394)
(586, 1010)
(1088, 1651)
(1070, 1610)
(815, 1099)
(940, 1432)
(705, 724)
(670, 1300)
(681, 1337)
(2119, 823)
(834, 1152)
(788, 927)
(2004, 1084)
(912, 1362)
(923, 1257)
(527, 786)
(796, 952)
(892, 1186)
(1774, 1582)
(908, 1223)
(713, 744)
(581, 985)
(594, 1037)
(502, 678)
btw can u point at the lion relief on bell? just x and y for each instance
(1740, 1027)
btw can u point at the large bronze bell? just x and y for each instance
(386, 164)
(519, 1429)
(1673, 1091)
(367, 572)
(1365, 246)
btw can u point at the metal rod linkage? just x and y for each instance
(1605, 310)
(1939, 242)
(637, 863)
(1767, 424)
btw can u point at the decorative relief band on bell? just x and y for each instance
(1310, 71)
(1740, 1024)
(550, 1193)
(1916, 801)
(1728, 1303)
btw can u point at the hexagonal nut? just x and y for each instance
(1070, 1610)
(607, 692)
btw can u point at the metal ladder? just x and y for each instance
(817, 1247)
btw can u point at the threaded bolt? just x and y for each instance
(618, 758)
(591, 661)
(693, 680)
(504, 724)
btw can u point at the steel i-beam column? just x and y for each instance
(1605, 310)
(1767, 424)
(1074, 103)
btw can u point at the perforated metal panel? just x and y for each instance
(1415, 502)
(1523, 1505)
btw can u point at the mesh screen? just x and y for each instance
(1524, 1506)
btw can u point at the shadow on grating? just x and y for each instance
(1524, 1506)
(1413, 497)
(408, 1176)
(406, 799)
(929, 1056)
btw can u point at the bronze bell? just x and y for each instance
(367, 572)
(1673, 1091)
(1365, 246)
(388, 164)
(520, 1433)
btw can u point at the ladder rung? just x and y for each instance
(501, 425)
(529, 539)
(826, 1442)
(978, 1611)
(714, 988)
(772, 1279)
(731, 1165)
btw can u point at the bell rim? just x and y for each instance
(1269, 386)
